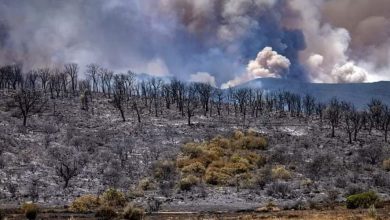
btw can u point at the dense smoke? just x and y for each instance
(268, 64)
(333, 41)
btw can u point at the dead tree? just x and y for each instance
(333, 114)
(71, 70)
(242, 96)
(119, 95)
(348, 111)
(204, 90)
(386, 120)
(219, 98)
(44, 76)
(155, 87)
(28, 101)
(92, 73)
(376, 108)
(31, 79)
(309, 103)
(68, 163)
(191, 101)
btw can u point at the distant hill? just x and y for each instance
(357, 93)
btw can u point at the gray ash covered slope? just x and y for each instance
(357, 93)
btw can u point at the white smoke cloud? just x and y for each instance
(268, 64)
(156, 67)
(349, 73)
(203, 77)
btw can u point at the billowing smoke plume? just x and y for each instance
(203, 77)
(177, 38)
(268, 63)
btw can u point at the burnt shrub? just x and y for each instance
(113, 198)
(319, 166)
(106, 213)
(279, 190)
(188, 182)
(362, 200)
(371, 154)
(133, 213)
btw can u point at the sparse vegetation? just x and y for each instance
(85, 203)
(87, 136)
(133, 213)
(113, 198)
(106, 213)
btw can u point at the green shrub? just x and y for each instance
(146, 184)
(85, 203)
(106, 213)
(238, 135)
(133, 213)
(113, 198)
(386, 165)
(235, 168)
(279, 172)
(188, 182)
(215, 176)
(30, 210)
(192, 150)
(194, 168)
(362, 200)
(258, 143)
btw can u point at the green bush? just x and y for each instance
(362, 200)
(85, 203)
(133, 213)
(192, 150)
(30, 210)
(147, 184)
(113, 198)
(106, 213)
(188, 182)
(280, 172)
(194, 168)
(215, 176)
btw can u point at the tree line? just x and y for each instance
(154, 95)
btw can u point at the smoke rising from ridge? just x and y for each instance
(178, 38)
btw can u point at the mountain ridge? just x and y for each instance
(360, 94)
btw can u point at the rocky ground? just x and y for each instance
(323, 169)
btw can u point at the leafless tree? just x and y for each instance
(92, 72)
(376, 108)
(106, 80)
(71, 70)
(68, 163)
(31, 79)
(44, 75)
(120, 95)
(348, 113)
(242, 96)
(386, 120)
(218, 96)
(191, 101)
(204, 90)
(28, 101)
(309, 103)
(333, 114)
